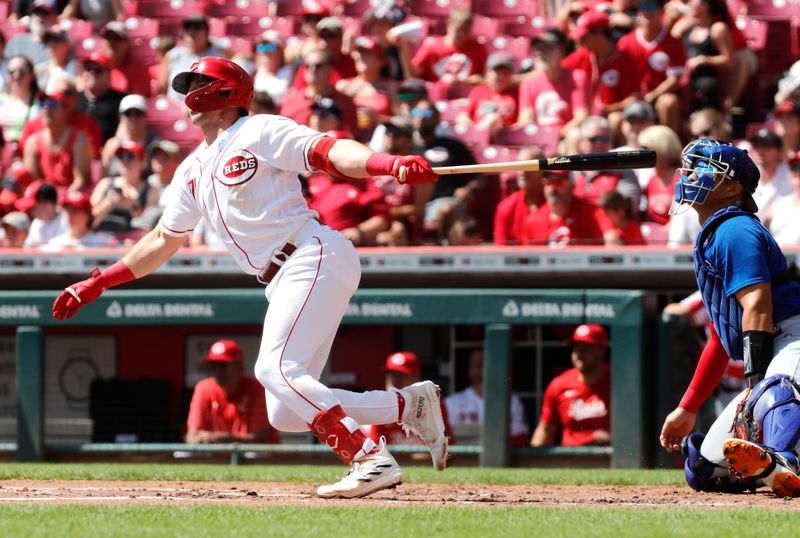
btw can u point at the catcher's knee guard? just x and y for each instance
(774, 404)
(703, 475)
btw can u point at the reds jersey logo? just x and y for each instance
(658, 61)
(237, 167)
(610, 78)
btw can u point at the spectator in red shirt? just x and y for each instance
(493, 105)
(128, 73)
(623, 226)
(610, 69)
(513, 210)
(228, 406)
(595, 137)
(564, 218)
(75, 118)
(661, 61)
(553, 95)
(401, 370)
(456, 57)
(331, 35)
(297, 103)
(577, 403)
(659, 189)
(371, 93)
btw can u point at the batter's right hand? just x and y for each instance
(78, 295)
(677, 425)
(413, 169)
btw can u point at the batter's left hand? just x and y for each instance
(413, 169)
(677, 425)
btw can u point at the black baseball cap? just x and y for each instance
(766, 137)
(328, 105)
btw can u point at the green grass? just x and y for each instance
(413, 522)
(316, 474)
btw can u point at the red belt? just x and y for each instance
(275, 263)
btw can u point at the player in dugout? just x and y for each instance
(228, 406)
(754, 306)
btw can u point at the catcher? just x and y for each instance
(755, 310)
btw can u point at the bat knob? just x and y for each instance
(402, 174)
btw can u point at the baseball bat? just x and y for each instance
(611, 160)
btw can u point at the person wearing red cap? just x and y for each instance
(79, 234)
(577, 403)
(60, 153)
(229, 406)
(98, 99)
(402, 369)
(607, 67)
(565, 218)
(118, 199)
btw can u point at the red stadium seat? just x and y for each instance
(237, 8)
(251, 27)
(10, 29)
(236, 45)
(436, 8)
(141, 27)
(293, 8)
(172, 27)
(163, 111)
(449, 110)
(545, 138)
(130, 7)
(506, 8)
(186, 135)
(654, 233)
(499, 154)
(77, 29)
(356, 8)
(89, 45)
(471, 135)
(3, 10)
(527, 26)
(141, 49)
(518, 47)
(172, 9)
(772, 9)
(754, 30)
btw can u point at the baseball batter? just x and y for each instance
(755, 312)
(243, 180)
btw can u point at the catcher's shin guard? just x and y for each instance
(342, 434)
(774, 405)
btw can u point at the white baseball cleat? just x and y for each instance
(751, 460)
(371, 473)
(423, 417)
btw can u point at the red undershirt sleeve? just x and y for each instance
(710, 369)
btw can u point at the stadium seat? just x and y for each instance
(754, 30)
(356, 8)
(141, 27)
(89, 45)
(235, 45)
(499, 154)
(470, 135)
(545, 138)
(77, 29)
(130, 7)
(237, 9)
(3, 10)
(449, 110)
(518, 47)
(506, 8)
(287, 8)
(173, 9)
(172, 27)
(526, 26)
(251, 26)
(182, 132)
(436, 8)
(163, 111)
(754, 127)
(10, 29)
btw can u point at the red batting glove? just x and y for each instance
(74, 297)
(411, 169)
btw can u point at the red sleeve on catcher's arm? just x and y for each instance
(710, 369)
(319, 159)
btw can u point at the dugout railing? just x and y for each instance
(630, 316)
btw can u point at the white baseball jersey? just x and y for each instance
(466, 407)
(245, 184)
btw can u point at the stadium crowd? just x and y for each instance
(92, 131)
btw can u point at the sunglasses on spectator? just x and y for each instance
(600, 139)
(329, 35)
(134, 113)
(312, 18)
(408, 96)
(320, 65)
(95, 69)
(126, 156)
(20, 72)
(193, 26)
(648, 7)
(50, 104)
(266, 47)
(421, 113)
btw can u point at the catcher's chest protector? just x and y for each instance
(725, 312)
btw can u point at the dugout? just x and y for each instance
(629, 316)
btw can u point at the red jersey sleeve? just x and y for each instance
(198, 418)
(423, 59)
(710, 369)
(550, 404)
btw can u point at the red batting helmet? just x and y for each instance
(233, 87)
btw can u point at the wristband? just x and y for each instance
(757, 350)
(117, 274)
(380, 164)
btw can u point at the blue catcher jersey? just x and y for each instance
(738, 254)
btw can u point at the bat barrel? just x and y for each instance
(613, 160)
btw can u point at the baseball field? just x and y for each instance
(102, 499)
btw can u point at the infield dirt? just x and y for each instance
(259, 494)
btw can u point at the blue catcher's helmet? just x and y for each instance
(711, 162)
